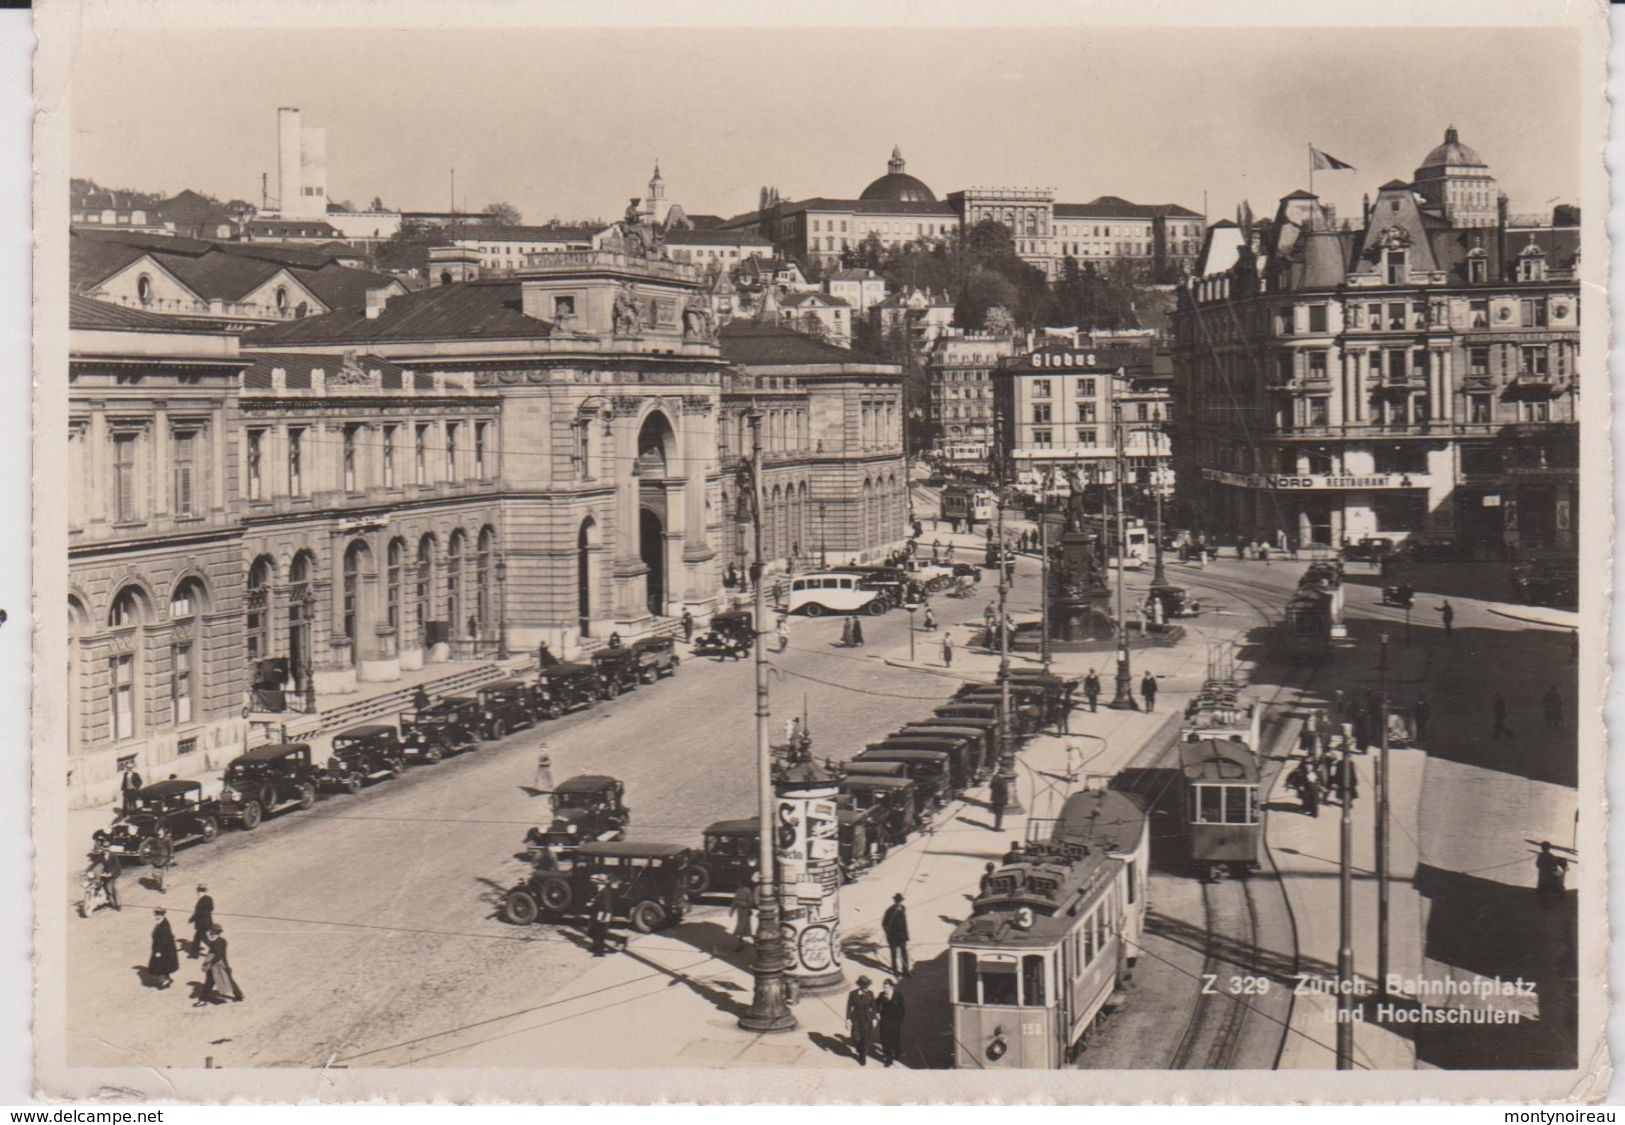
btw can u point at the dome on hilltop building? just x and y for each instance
(1452, 152)
(897, 186)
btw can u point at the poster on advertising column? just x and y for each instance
(807, 841)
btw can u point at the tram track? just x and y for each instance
(1213, 1034)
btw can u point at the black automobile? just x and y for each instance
(160, 817)
(1547, 582)
(1370, 549)
(618, 671)
(649, 884)
(450, 726)
(506, 706)
(568, 687)
(732, 633)
(891, 582)
(587, 808)
(897, 801)
(361, 755)
(657, 657)
(265, 780)
(728, 860)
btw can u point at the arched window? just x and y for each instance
(482, 589)
(184, 606)
(143, 289)
(281, 299)
(127, 615)
(301, 616)
(394, 560)
(425, 590)
(256, 615)
(454, 582)
(355, 556)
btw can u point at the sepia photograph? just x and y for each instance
(897, 555)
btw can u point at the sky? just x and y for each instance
(567, 123)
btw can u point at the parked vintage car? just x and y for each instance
(160, 817)
(897, 800)
(649, 884)
(1547, 582)
(568, 686)
(362, 754)
(1369, 549)
(506, 706)
(450, 726)
(618, 671)
(657, 657)
(728, 857)
(587, 808)
(265, 780)
(732, 633)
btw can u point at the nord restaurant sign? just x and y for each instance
(1288, 483)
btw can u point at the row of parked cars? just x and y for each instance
(270, 779)
(887, 792)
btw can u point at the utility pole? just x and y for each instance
(1382, 824)
(1007, 746)
(1043, 569)
(1123, 698)
(769, 1006)
(1159, 577)
(1345, 922)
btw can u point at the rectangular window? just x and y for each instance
(1210, 804)
(1086, 412)
(256, 446)
(1317, 366)
(1478, 313)
(181, 683)
(1478, 409)
(1086, 388)
(349, 458)
(479, 450)
(421, 454)
(1142, 412)
(1087, 436)
(1540, 411)
(185, 746)
(1317, 318)
(182, 450)
(1041, 412)
(124, 478)
(1040, 388)
(1533, 363)
(1235, 804)
(296, 462)
(1396, 317)
(1317, 411)
(1041, 438)
(1534, 312)
(1284, 319)
(451, 451)
(1478, 362)
(122, 678)
(389, 456)
(1032, 980)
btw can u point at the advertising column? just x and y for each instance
(807, 842)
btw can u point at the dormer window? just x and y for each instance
(1532, 268)
(1395, 261)
(281, 299)
(1478, 269)
(143, 289)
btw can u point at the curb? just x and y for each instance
(1537, 615)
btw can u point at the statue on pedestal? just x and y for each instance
(627, 316)
(697, 320)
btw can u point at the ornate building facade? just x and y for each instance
(1416, 378)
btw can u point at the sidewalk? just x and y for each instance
(1537, 615)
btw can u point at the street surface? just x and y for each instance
(364, 932)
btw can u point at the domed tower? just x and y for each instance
(897, 186)
(1456, 180)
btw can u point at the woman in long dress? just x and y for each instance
(164, 962)
(218, 983)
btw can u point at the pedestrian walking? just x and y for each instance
(889, 1023)
(163, 856)
(544, 770)
(846, 633)
(783, 632)
(1311, 790)
(544, 656)
(1499, 711)
(1015, 854)
(1447, 614)
(1091, 689)
(936, 549)
(743, 905)
(990, 617)
(1421, 712)
(998, 796)
(110, 870)
(1264, 553)
(615, 640)
(602, 910)
(420, 699)
(1550, 871)
(1553, 707)
(857, 633)
(929, 623)
(1148, 691)
(860, 1019)
(164, 962)
(895, 925)
(201, 921)
(947, 651)
(985, 884)
(688, 626)
(219, 982)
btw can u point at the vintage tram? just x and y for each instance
(1221, 809)
(1101, 819)
(1039, 960)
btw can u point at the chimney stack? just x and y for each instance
(377, 299)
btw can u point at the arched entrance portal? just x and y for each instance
(652, 549)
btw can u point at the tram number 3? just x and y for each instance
(1213, 985)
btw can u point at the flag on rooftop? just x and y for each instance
(1322, 161)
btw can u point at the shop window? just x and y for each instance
(1478, 412)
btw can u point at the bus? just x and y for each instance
(818, 594)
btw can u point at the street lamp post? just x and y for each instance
(770, 1008)
(823, 550)
(1382, 824)
(307, 607)
(502, 607)
(1123, 697)
(1043, 569)
(1345, 921)
(1007, 742)
(1159, 577)
(911, 607)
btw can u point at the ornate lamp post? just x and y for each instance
(1159, 577)
(769, 1007)
(1123, 698)
(1007, 742)
(502, 607)
(823, 551)
(307, 673)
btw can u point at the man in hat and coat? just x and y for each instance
(744, 906)
(860, 1019)
(201, 921)
(895, 924)
(164, 962)
(603, 910)
(889, 1023)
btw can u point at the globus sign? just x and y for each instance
(806, 842)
